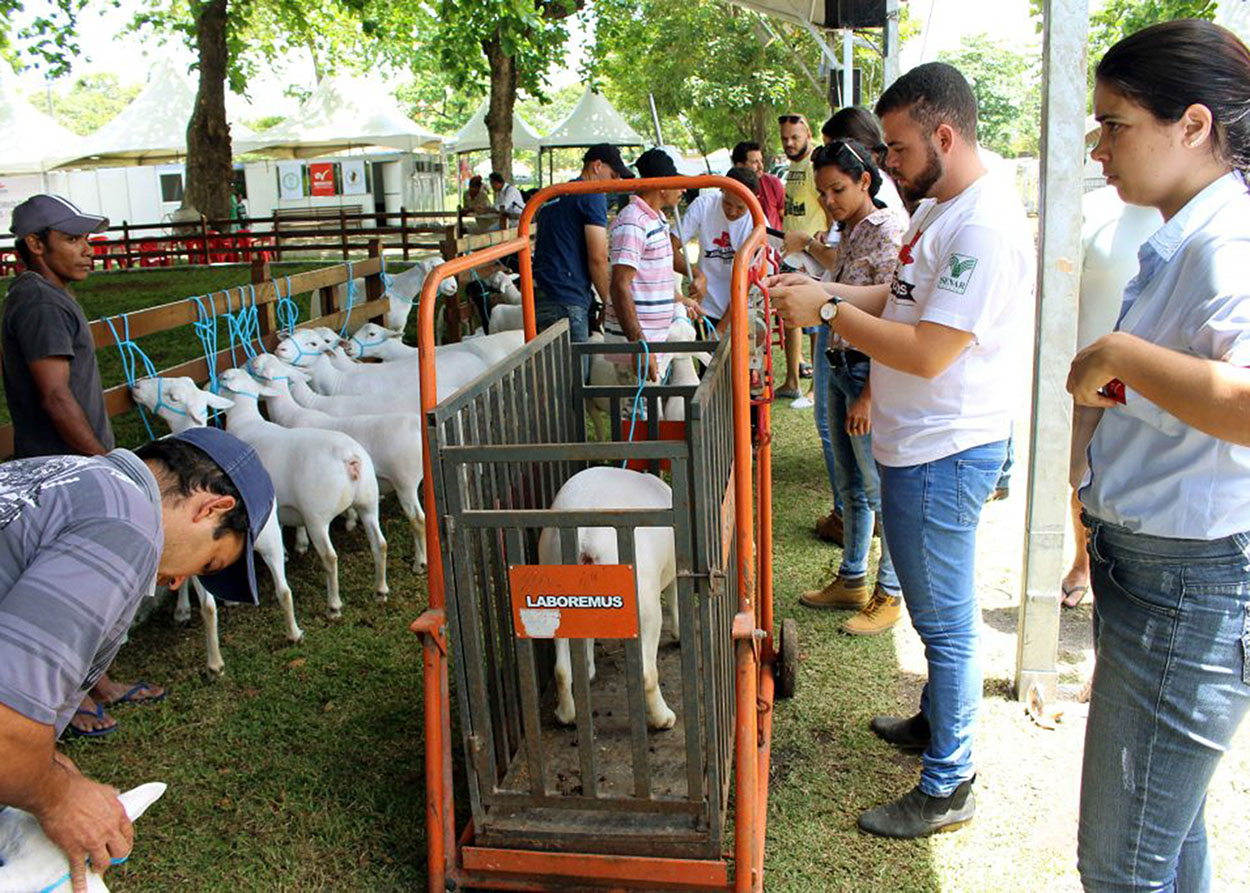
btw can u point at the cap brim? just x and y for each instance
(623, 171)
(81, 224)
(237, 583)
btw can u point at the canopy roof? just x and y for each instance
(342, 113)
(152, 129)
(473, 136)
(592, 121)
(30, 141)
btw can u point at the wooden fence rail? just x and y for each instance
(185, 312)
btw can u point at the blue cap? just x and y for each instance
(236, 583)
(40, 212)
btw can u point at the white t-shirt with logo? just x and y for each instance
(967, 263)
(719, 240)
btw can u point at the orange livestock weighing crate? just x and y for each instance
(605, 802)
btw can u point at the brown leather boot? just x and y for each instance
(878, 616)
(840, 595)
(829, 528)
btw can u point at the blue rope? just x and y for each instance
(64, 879)
(242, 323)
(644, 365)
(206, 330)
(286, 309)
(131, 355)
(385, 276)
(351, 300)
(365, 345)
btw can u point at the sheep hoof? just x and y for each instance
(334, 614)
(297, 638)
(182, 619)
(213, 674)
(381, 597)
(665, 720)
(566, 719)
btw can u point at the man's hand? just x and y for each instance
(784, 280)
(697, 289)
(1092, 368)
(799, 302)
(859, 415)
(693, 307)
(796, 241)
(87, 819)
(653, 368)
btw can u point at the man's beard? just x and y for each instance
(801, 154)
(914, 190)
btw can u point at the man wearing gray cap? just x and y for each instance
(83, 539)
(51, 380)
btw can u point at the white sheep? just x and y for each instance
(679, 368)
(506, 318)
(375, 341)
(393, 441)
(317, 475)
(182, 405)
(655, 570)
(504, 283)
(29, 861)
(405, 287)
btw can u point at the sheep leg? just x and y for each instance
(590, 659)
(351, 518)
(208, 612)
(320, 536)
(659, 716)
(566, 710)
(269, 547)
(377, 544)
(670, 594)
(301, 540)
(182, 610)
(411, 506)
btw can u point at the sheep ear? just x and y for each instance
(137, 800)
(217, 402)
(704, 358)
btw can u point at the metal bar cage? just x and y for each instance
(500, 450)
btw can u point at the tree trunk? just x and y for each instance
(503, 83)
(759, 126)
(209, 172)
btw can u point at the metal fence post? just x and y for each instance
(1059, 272)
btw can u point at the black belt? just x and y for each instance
(841, 358)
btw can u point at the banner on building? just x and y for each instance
(321, 175)
(353, 177)
(290, 179)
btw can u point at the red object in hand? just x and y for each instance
(1114, 389)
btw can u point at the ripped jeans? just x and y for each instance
(1171, 684)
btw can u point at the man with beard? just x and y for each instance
(772, 193)
(804, 214)
(941, 338)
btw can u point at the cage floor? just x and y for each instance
(623, 831)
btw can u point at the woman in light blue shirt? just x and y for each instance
(1167, 491)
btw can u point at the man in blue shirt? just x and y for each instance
(571, 253)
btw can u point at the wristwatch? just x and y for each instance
(829, 310)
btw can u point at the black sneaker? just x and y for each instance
(905, 733)
(916, 814)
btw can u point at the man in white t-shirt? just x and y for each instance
(721, 222)
(941, 338)
(508, 199)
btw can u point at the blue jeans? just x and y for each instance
(931, 513)
(1171, 684)
(549, 312)
(820, 400)
(858, 482)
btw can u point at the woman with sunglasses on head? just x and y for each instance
(870, 236)
(1167, 491)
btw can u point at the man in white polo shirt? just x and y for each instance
(721, 222)
(941, 337)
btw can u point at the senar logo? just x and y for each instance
(958, 272)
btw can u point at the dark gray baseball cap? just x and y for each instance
(40, 212)
(611, 156)
(239, 461)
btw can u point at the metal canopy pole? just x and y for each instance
(890, 45)
(1066, 25)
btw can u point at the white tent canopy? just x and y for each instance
(473, 137)
(152, 129)
(592, 121)
(30, 141)
(342, 113)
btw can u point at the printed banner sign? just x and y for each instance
(574, 601)
(321, 175)
(353, 177)
(290, 179)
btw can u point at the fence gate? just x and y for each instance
(502, 448)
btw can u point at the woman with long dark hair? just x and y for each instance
(1167, 491)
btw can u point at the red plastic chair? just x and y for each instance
(153, 254)
(100, 248)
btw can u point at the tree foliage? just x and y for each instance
(727, 71)
(87, 104)
(1007, 84)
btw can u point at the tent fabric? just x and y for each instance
(342, 113)
(152, 129)
(30, 141)
(592, 121)
(473, 137)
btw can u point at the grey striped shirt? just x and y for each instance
(80, 539)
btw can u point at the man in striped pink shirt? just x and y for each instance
(644, 254)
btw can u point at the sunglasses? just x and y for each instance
(791, 119)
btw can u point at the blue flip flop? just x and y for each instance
(131, 695)
(97, 713)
